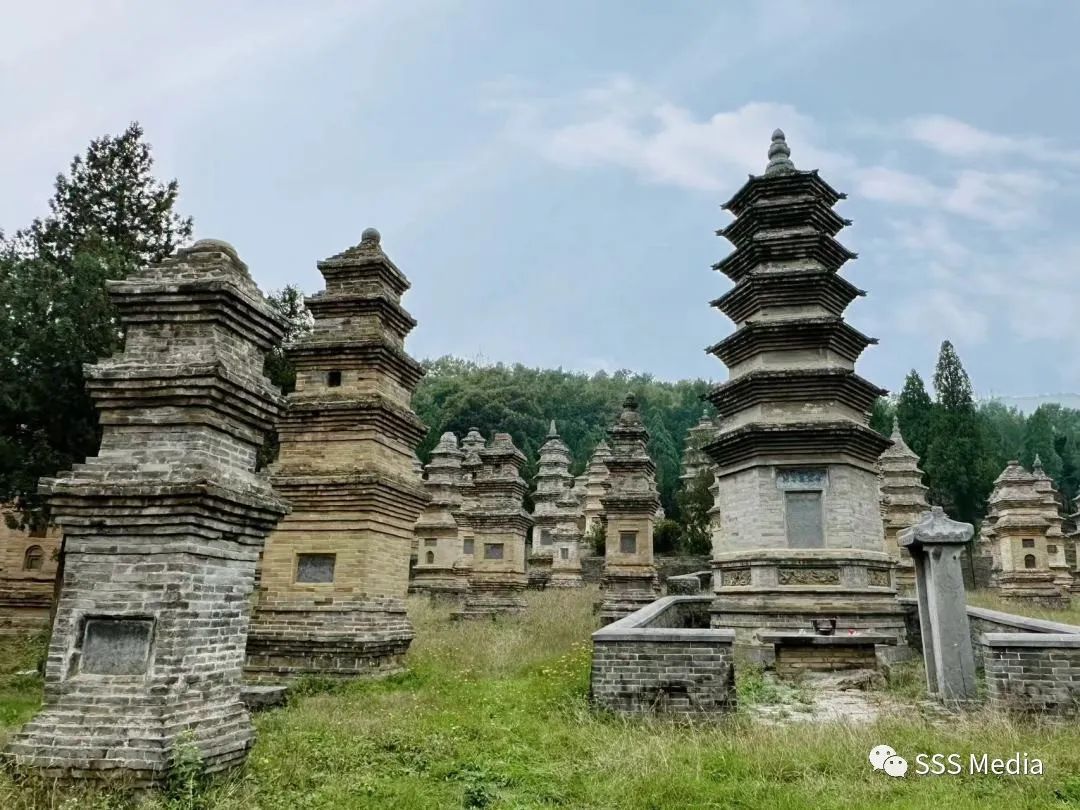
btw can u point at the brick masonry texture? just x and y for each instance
(27, 578)
(162, 531)
(1030, 665)
(346, 469)
(658, 660)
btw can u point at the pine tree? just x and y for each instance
(881, 417)
(915, 413)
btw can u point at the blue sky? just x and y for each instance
(549, 175)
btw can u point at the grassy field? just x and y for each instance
(989, 599)
(495, 715)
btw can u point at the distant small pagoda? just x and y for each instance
(903, 501)
(799, 530)
(553, 479)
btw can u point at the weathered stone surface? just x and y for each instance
(28, 563)
(1022, 536)
(796, 521)
(162, 530)
(903, 501)
(497, 579)
(439, 570)
(346, 467)
(656, 660)
(1033, 673)
(566, 559)
(595, 487)
(936, 544)
(630, 502)
(553, 480)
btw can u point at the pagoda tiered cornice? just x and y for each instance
(377, 354)
(794, 441)
(795, 385)
(320, 418)
(790, 184)
(344, 305)
(783, 213)
(787, 287)
(822, 333)
(355, 270)
(805, 245)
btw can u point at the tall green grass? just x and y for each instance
(495, 714)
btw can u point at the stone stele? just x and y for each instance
(162, 530)
(799, 532)
(335, 574)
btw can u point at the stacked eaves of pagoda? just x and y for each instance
(792, 391)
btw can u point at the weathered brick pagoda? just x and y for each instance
(800, 531)
(162, 531)
(566, 538)
(629, 580)
(903, 502)
(438, 572)
(500, 523)
(1018, 531)
(694, 460)
(28, 561)
(335, 573)
(553, 479)
(596, 486)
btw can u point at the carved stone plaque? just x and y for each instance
(808, 576)
(467, 546)
(736, 576)
(628, 542)
(493, 551)
(315, 567)
(802, 512)
(878, 577)
(802, 478)
(116, 646)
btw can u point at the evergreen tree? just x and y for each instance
(108, 217)
(915, 413)
(695, 501)
(881, 417)
(110, 197)
(956, 465)
(289, 303)
(1039, 440)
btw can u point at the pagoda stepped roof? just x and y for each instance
(796, 244)
(794, 385)
(824, 332)
(797, 440)
(782, 213)
(787, 287)
(793, 183)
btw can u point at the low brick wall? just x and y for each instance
(592, 567)
(1033, 672)
(657, 661)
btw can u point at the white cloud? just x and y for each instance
(956, 138)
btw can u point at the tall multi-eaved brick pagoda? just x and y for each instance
(629, 580)
(162, 530)
(903, 502)
(438, 571)
(800, 530)
(566, 557)
(500, 523)
(552, 480)
(596, 486)
(335, 573)
(694, 460)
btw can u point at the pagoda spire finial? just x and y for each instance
(1037, 465)
(552, 432)
(779, 155)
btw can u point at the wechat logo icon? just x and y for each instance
(884, 758)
